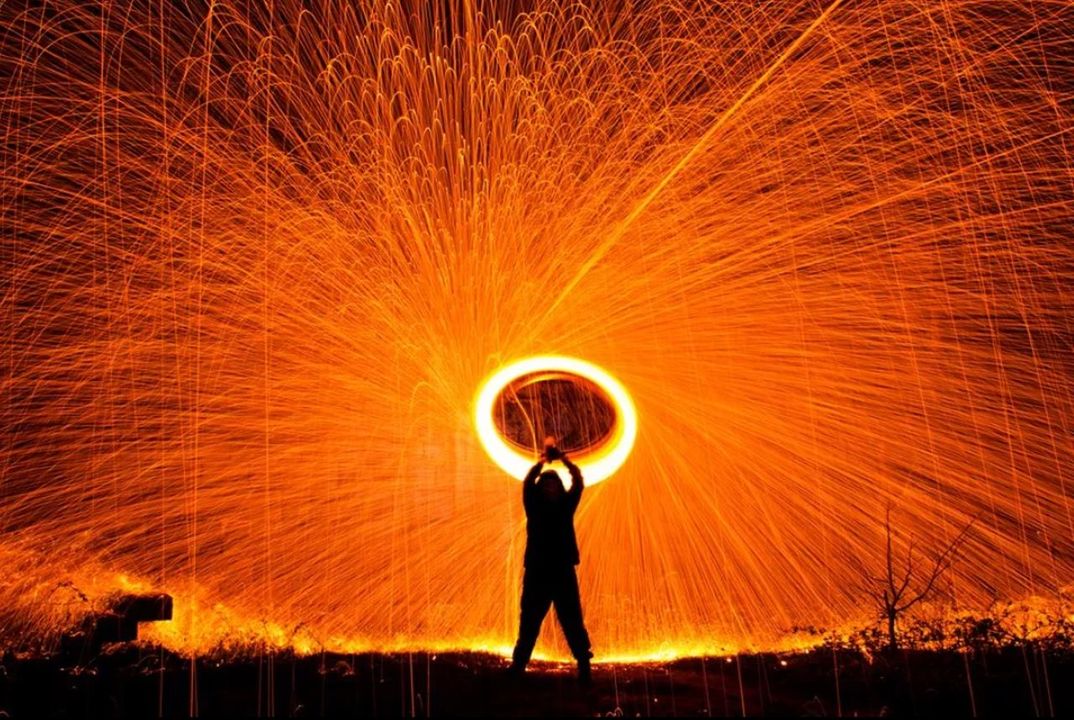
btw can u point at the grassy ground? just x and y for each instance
(128, 680)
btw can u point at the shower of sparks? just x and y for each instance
(258, 258)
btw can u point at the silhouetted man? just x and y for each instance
(551, 554)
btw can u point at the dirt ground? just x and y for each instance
(131, 680)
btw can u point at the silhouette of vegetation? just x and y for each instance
(902, 586)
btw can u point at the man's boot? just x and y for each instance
(585, 675)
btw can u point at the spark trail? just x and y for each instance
(257, 261)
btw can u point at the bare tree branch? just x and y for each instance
(890, 589)
(943, 562)
(890, 559)
(909, 570)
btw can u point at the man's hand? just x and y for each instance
(551, 452)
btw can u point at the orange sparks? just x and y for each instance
(258, 261)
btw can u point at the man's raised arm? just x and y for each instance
(529, 483)
(577, 481)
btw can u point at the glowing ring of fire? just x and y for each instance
(596, 465)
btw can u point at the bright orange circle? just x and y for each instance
(597, 465)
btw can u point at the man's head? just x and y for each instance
(550, 485)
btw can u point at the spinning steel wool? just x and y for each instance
(597, 462)
(259, 259)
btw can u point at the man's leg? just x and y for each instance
(569, 611)
(536, 599)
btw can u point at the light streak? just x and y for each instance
(596, 465)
